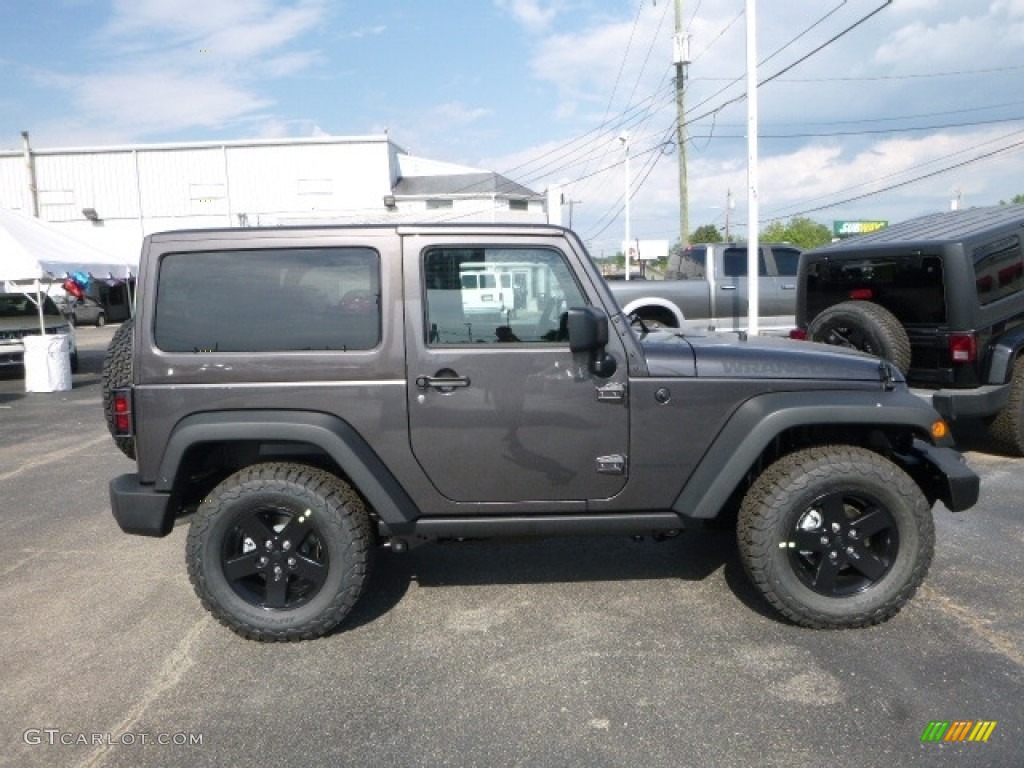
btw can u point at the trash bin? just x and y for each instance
(47, 363)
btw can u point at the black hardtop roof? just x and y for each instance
(935, 229)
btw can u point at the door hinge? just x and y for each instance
(613, 392)
(615, 464)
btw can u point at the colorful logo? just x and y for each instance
(958, 730)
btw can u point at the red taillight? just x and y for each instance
(863, 294)
(122, 411)
(963, 348)
(800, 334)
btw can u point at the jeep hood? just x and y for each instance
(733, 356)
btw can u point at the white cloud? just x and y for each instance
(362, 32)
(252, 25)
(163, 67)
(145, 102)
(275, 128)
(532, 14)
(455, 114)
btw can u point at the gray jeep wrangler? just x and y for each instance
(306, 396)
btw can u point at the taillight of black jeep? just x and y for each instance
(963, 347)
(121, 400)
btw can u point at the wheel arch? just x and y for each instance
(769, 426)
(1005, 353)
(653, 308)
(244, 433)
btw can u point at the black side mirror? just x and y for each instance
(588, 332)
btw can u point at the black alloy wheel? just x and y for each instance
(273, 557)
(836, 536)
(843, 543)
(280, 551)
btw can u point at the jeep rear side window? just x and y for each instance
(495, 295)
(269, 300)
(998, 269)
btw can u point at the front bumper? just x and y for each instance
(139, 508)
(945, 472)
(12, 353)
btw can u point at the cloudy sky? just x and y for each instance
(867, 109)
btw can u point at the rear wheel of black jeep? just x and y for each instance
(865, 326)
(280, 551)
(117, 373)
(836, 537)
(1006, 430)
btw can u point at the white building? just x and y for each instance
(111, 197)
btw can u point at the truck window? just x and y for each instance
(688, 264)
(734, 263)
(786, 260)
(269, 300)
(497, 294)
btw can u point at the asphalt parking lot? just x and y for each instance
(583, 652)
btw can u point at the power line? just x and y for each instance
(907, 182)
(865, 132)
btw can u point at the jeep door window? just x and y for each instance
(269, 300)
(494, 295)
(998, 269)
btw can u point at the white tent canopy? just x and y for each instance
(32, 250)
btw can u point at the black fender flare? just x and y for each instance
(332, 435)
(759, 420)
(1005, 352)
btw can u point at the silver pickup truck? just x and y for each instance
(705, 287)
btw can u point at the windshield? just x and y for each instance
(19, 305)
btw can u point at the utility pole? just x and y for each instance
(572, 203)
(681, 56)
(728, 213)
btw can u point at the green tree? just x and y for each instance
(708, 233)
(800, 231)
(1017, 199)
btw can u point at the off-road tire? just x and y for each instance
(865, 326)
(870, 515)
(117, 373)
(305, 522)
(1006, 430)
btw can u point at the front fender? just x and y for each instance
(760, 420)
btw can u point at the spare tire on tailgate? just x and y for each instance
(865, 326)
(117, 373)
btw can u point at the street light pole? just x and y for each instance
(624, 138)
(753, 246)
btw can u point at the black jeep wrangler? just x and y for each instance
(308, 395)
(942, 297)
